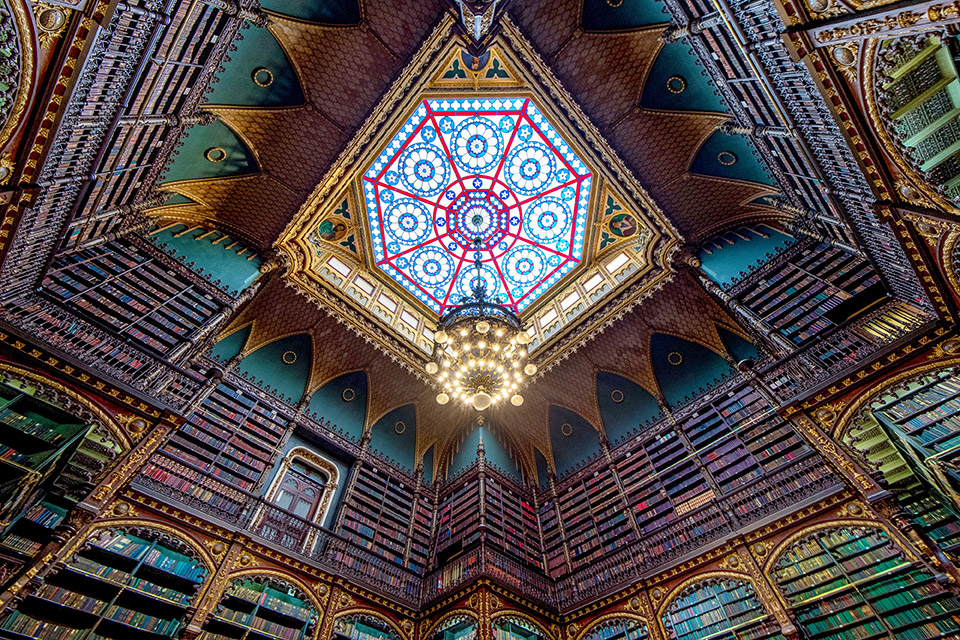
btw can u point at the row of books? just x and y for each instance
(30, 426)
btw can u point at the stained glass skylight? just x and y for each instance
(468, 176)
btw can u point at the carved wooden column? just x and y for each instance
(226, 556)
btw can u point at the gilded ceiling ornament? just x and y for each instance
(348, 394)
(616, 395)
(675, 358)
(727, 158)
(730, 562)
(262, 76)
(852, 509)
(135, 425)
(826, 415)
(289, 357)
(656, 594)
(400, 427)
(676, 84)
(6, 168)
(217, 548)
(946, 348)
(566, 429)
(215, 154)
(51, 22)
(845, 58)
(760, 550)
(121, 509)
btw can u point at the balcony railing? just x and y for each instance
(802, 479)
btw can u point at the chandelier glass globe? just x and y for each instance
(480, 353)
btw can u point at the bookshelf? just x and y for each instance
(618, 629)
(456, 628)
(458, 521)
(812, 291)
(514, 628)
(511, 520)
(222, 452)
(125, 289)
(363, 627)
(855, 583)
(383, 514)
(118, 584)
(253, 608)
(728, 445)
(37, 441)
(719, 609)
(924, 420)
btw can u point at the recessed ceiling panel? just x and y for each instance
(467, 179)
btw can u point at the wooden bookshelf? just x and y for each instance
(855, 581)
(268, 609)
(37, 441)
(383, 514)
(726, 443)
(723, 609)
(797, 297)
(514, 628)
(361, 627)
(618, 629)
(511, 522)
(124, 289)
(224, 450)
(118, 584)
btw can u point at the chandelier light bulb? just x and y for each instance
(441, 337)
(432, 368)
(481, 401)
(481, 345)
(443, 398)
(483, 326)
(530, 369)
(523, 337)
(516, 400)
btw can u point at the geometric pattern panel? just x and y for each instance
(468, 179)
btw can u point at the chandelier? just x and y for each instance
(480, 349)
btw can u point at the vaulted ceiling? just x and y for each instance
(294, 93)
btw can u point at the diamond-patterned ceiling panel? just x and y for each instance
(488, 179)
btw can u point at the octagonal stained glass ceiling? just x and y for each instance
(467, 178)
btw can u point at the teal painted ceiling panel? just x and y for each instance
(608, 15)
(685, 370)
(324, 11)
(343, 403)
(726, 155)
(737, 347)
(210, 256)
(733, 255)
(626, 408)
(282, 366)
(210, 151)
(394, 436)
(573, 440)
(678, 82)
(230, 346)
(258, 73)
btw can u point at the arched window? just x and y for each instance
(260, 607)
(719, 609)
(298, 500)
(856, 579)
(120, 583)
